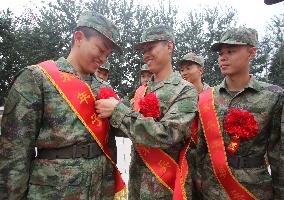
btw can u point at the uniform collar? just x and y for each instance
(252, 84)
(65, 66)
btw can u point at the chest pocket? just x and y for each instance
(165, 100)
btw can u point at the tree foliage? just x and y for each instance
(46, 33)
(276, 29)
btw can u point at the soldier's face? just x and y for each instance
(102, 74)
(92, 52)
(191, 72)
(157, 55)
(145, 77)
(235, 59)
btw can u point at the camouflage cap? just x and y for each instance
(156, 33)
(237, 36)
(192, 57)
(144, 68)
(105, 66)
(102, 25)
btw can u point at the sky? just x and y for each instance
(252, 13)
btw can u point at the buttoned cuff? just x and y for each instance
(118, 114)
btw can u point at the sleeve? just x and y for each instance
(276, 149)
(19, 128)
(171, 129)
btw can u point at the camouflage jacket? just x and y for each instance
(36, 115)
(178, 103)
(265, 102)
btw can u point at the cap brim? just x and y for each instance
(217, 46)
(144, 70)
(104, 68)
(140, 45)
(115, 45)
(180, 62)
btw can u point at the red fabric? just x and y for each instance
(150, 106)
(106, 93)
(240, 123)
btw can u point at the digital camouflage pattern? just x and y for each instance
(265, 102)
(156, 33)
(101, 24)
(192, 57)
(36, 115)
(105, 66)
(237, 36)
(178, 103)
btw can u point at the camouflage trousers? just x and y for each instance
(145, 186)
(71, 179)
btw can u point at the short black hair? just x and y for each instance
(87, 31)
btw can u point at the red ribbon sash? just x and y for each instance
(216, 149)
(170, 173)
(80, 98)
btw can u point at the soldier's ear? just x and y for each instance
(201, 69)
(78, 37)
(170, 47)
(252, 52)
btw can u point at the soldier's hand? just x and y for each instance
(105, 107)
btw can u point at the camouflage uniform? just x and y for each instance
(178, 101)
(36, 115)
(265, 102)
(132, 93)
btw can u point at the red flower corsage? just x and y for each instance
(239, 124)
(150, 106)
(106, 93)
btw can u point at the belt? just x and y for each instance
(245, 162)
(88, 151)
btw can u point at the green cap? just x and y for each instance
(102, 25)
(237, 36)
(105, 66)
(156, 33)
(192, 57)
(144, 68)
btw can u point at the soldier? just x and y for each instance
(145, 74)
(39, 113)
(144, 77)
(167, 132)
(242, 121)
(103, 71)
(191, 69)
